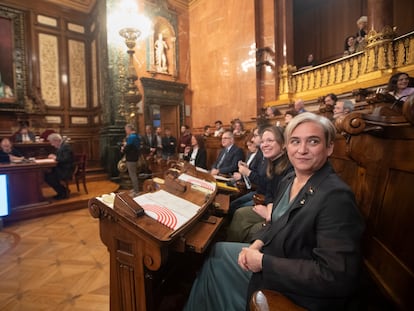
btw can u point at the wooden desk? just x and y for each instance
(140, 246)
(35, 150)
(24, 184)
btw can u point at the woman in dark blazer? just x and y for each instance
(309, 249)
(196, 154)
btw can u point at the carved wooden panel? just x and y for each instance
(77, 74)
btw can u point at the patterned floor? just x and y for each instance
(56, 262)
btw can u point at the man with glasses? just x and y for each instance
(230, 155)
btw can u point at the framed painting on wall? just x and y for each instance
(12, 66)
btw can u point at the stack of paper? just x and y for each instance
(168, 209)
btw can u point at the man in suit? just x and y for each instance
(24, 136)
(64, 166)
(8, 153)
(309, 247)
(229, 157)
(149, 142)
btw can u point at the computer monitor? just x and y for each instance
(4, 200)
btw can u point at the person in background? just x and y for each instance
(131, 150)
(289, 114)
(343, 107)
(272, 112)
(299, 106)
(350, 45)
(254, 169)
(238, 128)
(8, 153)
(398, 86)
(330, 100)
(196, 154)
(219, 128)
(229, 157)
(184, 140)
(310, 62)
(169, 145)
(362, 24)
(206, 132)
(158, 139)
(25, 136)
(149, 142)
(310, 251)
(64, 168)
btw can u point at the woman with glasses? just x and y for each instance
(309, 251)
(248, 220)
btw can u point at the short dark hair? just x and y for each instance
(206, 127)
(332, 96)
(218, 121)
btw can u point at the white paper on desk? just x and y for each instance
(198, 182)
(217, 177)
(44, 161)
(167, 208)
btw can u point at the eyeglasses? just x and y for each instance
(268, 141)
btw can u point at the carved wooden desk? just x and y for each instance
(24, 184)
(139, 246)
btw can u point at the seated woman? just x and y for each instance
(238, 128)
(398, 86)
(309, 252)
(252, 171)
(248, 220)
(350, 46)
(196, 154)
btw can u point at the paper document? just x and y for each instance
(198, 182)
(168, 209)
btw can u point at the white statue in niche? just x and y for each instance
(160, 54)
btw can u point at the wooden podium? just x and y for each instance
(140, 245)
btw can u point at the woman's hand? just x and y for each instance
(250, 259)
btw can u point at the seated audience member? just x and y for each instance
(398, 86)
(272, 112)
(254, 170)
(289, 114)
(206, 132)
(229, 157)
(299, 106)
(248, 220)
(343, 107)
(219, 128)
(64, 166)
(196, 154)
(310, 62)
(25, 136)
(350, 46)
(169, 145)
(309, 251)
(330, 100)
(158, 138)
(238, 128)
(8, 153)
(149, 142)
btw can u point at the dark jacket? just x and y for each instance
(147, 144)
(132, 148)
(231, 160)
(201, 158)
(65, 162)
(4, 157)
(169, 146)
(312, 252)
(19, 137)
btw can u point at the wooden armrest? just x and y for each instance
(268, 300)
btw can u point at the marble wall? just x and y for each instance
(220, 42)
